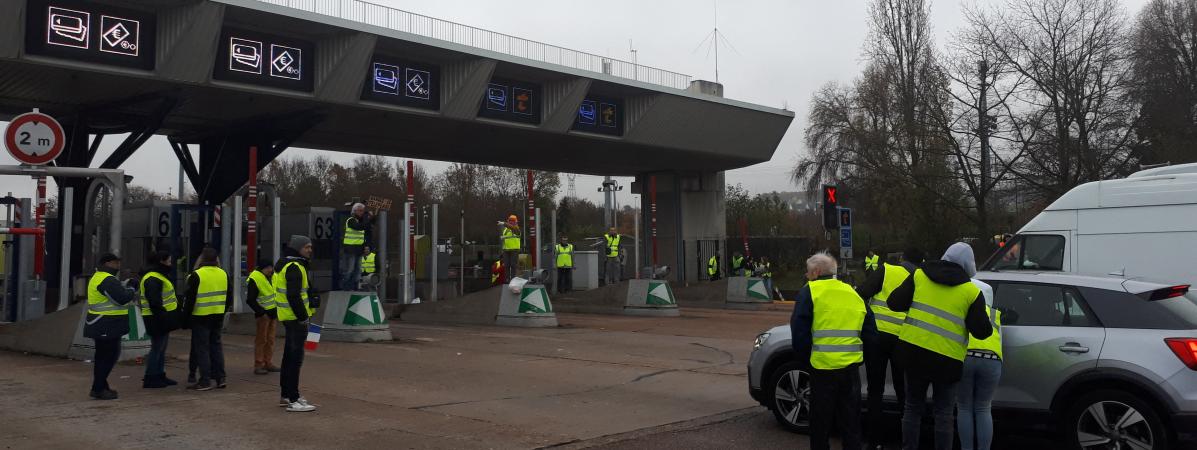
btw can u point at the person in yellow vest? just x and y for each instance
(496, 272)
(765, 269)
(353, 240)
(872, 262)
(159, 310)
(565, 265)
(942, 308)
(612, 246)
(261, 298)
(737, 264)
(879, 353)
(209, 296)
(295, 306)
(509, 238)
(713, 267)
(982, 371)
(107, 320)
(829, 327)
(368, 266)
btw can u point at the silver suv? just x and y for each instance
(1111, 362)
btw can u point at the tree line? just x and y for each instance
(1028, 99)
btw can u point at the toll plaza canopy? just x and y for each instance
(350, 76)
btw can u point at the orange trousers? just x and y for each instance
(264, 342)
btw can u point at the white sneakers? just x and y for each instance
(299, 405)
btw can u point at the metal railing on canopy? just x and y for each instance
(421, 25)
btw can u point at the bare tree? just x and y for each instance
(1164, 65)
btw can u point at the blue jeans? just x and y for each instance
(155, 362)
(974, 397)
(351, 270)
(943, 399)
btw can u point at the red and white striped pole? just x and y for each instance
(251, 228)
(16, 230)
(410, 217)
(39, 245)
(652, 193)
(531, 230)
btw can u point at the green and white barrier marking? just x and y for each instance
(757, 289)
(660, 294)
(535, 300)
(364, 309)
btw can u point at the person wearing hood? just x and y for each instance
(159, 310)
(294, 309)
(107, 320)
(209, 296)
(879, 353)
(943, 307)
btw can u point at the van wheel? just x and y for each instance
(1114, 420)
(789, 394)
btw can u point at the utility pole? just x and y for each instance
(984, 124)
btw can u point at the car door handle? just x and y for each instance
(1073, 347)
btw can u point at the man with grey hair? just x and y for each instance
(829, 326)
(353, 238)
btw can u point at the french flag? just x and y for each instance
(313, 340)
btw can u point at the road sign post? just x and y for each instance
(36, 139)
(845, 224)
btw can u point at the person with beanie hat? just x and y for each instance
(294, 307)
(159, 310)
(107, 320)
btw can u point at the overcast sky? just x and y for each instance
(776, 53)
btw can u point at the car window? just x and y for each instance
(1044, 305)
(1030, 252)
(1118, 309)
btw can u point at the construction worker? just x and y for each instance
(879, 353)
(765, 268)
(872, 262)
(829, 326)
(158, 310)
(713, 267)
(261, 298)
(353, 239)
(294, 307)
(612, 268)
(209, 296)
(496, 273)
(565, 265)
(974, 394)
(509, 236)
(367, 261)
(737, 267)
(107, 320)
(942, 308)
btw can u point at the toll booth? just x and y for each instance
(318, 224)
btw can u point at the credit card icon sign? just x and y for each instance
(68, 28)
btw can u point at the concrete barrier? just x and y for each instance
(651, 298)
(747, 293)
(530, 307)
(352, 316)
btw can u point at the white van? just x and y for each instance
(1144, 225)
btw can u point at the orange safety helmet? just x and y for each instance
(513, 218)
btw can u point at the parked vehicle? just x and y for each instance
(1106, 359)
(1142, 225)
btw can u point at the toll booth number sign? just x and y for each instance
(265, 60)
(90, 32)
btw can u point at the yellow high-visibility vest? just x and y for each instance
(213, 291)
(888, 320)
(992, 343)
(839, 317)
(565, 255)
(612, 244)
(267, 296)
(511, 241)
(712, 266)
(169, 302)
(871, 262)
(285, 313)
(97, 302)
(352, 236)
(368, 263)
(936, 318)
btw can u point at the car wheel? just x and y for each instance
(1114, 420)
(789, 396)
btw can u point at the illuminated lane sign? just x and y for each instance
(265, 60)
(89, 32)
(511, 100)
(600, 115)
(404, 83)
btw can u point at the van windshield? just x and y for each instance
(1030, 252)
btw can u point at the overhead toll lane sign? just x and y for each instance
(404, 83)
(90, 32)
(511, 100)
(601, 115)
(256, 58)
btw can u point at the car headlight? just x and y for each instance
(760, 340)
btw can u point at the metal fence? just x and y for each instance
(408, 22)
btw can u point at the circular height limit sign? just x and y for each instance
(34, 138)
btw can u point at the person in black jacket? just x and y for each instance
(159, 307)
(206, 328)
(926, 368)
(107, 320)
(299, 250)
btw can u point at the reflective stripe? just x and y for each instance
(209, 294)
(109, 306)
(938, 313)
(838, 348)
(875, 302)
(835, 333)
(889, 319)
(933, 328)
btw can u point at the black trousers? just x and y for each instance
(288, 380)
(565, 279)
(107, 352)
(835, 399)
(879, 356)
(206, 346)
